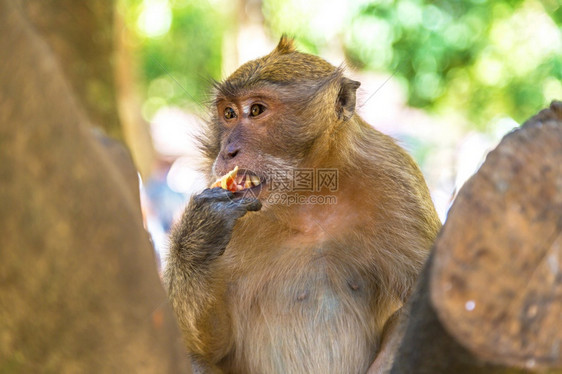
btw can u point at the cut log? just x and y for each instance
(496, 280)
(489, 299)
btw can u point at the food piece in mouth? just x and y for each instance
(227, 181)
(233, 182)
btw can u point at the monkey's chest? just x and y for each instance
(308, 319)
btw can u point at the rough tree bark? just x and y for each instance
(490, 297)
(79, 290)
(88, 38)
(81, 37)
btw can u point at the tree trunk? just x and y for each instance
(490, 298)
(88, 40)
(79, 290)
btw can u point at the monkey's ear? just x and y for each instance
(285, 45)
(345, 105)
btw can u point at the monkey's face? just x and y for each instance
(260, 133)
(273, 113)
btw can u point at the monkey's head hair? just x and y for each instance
(299, 77)
(283, 66)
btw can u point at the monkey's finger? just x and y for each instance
(216, 194)
(251, 204)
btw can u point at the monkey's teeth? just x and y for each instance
(234, 182)
(255, 180)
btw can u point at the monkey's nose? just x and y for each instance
(231, 151)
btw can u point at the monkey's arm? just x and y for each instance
(195, 288)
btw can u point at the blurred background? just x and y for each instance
(447, 79)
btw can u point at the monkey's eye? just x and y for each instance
(256, 110)
(229, 113)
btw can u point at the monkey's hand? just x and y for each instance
(207, 223)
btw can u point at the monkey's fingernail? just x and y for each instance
(253, 205)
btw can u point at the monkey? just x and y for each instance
(259, 285)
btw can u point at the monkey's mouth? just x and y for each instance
(238, 180)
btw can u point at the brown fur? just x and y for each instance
(303, 288)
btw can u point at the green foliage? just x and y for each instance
(178, 65)
(479, 58)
